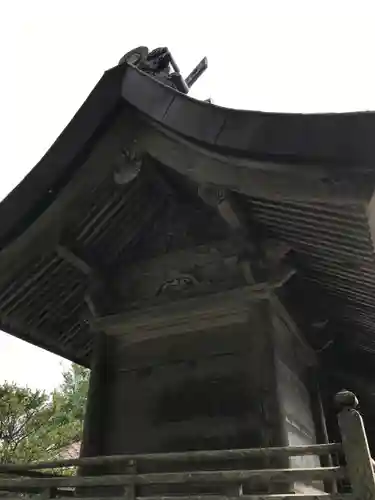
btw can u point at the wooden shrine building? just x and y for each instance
(214, 267)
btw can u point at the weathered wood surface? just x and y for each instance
(192, 456)
(165, 318)
(250, 497)
(196, 477)
(212, 497)
(75, 260)
(356, 448)
(321, 430)
(93, 430)
(193, 161)
(190, 314)
(130, 490)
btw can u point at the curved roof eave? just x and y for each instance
(288, 165)
(42, 184)
(337, 139)
(342, 140)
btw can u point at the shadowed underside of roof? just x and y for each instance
(306, 180)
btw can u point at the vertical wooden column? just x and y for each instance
(94, 430)
(263, 356)
(330, 486)
(318, 413)
(356, 449)
(263, 369)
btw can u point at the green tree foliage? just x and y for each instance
(35, 425)
(23, 417)
(69, 406)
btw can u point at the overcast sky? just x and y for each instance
(296, 56)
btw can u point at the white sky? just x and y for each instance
(297, 56)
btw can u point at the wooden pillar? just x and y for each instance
(94, 430)
(263, 366)
(330, 486)
(357, 453)
(263, 357)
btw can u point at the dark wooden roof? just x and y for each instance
(307, 180)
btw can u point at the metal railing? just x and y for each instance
(200, 477)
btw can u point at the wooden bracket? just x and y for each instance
(76, 261)
(255, 253)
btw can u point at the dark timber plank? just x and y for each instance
(222, 497)
(195, 477)
(190, 456)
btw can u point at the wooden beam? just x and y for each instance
(91, 305)
(184, 457)
(192, 477)
(184, 315)
(201, 255)
(221, 200)
(258, 178)
(273, 496)
(272, 252)
(76, 261)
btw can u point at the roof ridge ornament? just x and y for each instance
(161, 65)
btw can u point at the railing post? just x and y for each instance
(355, 445)
(48, 493)
(234, 490)
(130, 493)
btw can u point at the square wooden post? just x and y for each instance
(356, 448)
(130, 491)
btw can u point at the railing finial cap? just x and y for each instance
(346, 399)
